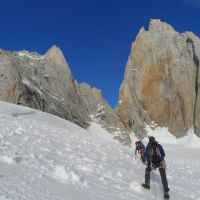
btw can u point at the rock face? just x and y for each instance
(46, 83)
(162, 80)
(100, 112)
(41, 82)
(160, 87)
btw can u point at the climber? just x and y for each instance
(140, 148)
(154, 155)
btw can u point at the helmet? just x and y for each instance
(137, 142)
(152, 139)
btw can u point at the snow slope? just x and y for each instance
(43, 157)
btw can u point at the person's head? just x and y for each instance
(151, 139)
(137, 142)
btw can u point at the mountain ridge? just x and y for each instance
(162, 69)
(45, 82)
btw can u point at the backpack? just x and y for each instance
(155, 155)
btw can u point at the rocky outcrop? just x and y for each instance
(100, 112)
(46, 83)
(41, 82)
(161, 82)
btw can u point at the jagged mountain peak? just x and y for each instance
(158, 25)
(56, 56)
(54, 50)
(55, 53)
(161, 82)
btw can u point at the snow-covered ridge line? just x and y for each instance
(30, 55)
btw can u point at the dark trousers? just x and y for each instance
(142, 157)
(163, 177)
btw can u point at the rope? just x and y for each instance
(154, 185)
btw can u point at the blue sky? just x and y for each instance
(94, 35)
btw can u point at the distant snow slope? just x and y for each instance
(43, 157)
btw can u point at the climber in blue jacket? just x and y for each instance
(155, 155)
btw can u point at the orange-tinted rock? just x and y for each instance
(161, 81)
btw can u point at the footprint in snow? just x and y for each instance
(135, 187)
(7, 159)
(63, 176)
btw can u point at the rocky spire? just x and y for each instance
(158, 25)
(161, 81)
(56, 56)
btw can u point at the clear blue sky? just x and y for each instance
(94, 35)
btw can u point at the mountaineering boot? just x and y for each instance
(146, 186)
(166, 195)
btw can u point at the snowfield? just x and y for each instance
(43, 157)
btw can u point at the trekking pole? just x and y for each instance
(154, 185)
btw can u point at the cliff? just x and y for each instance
(161, 81)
